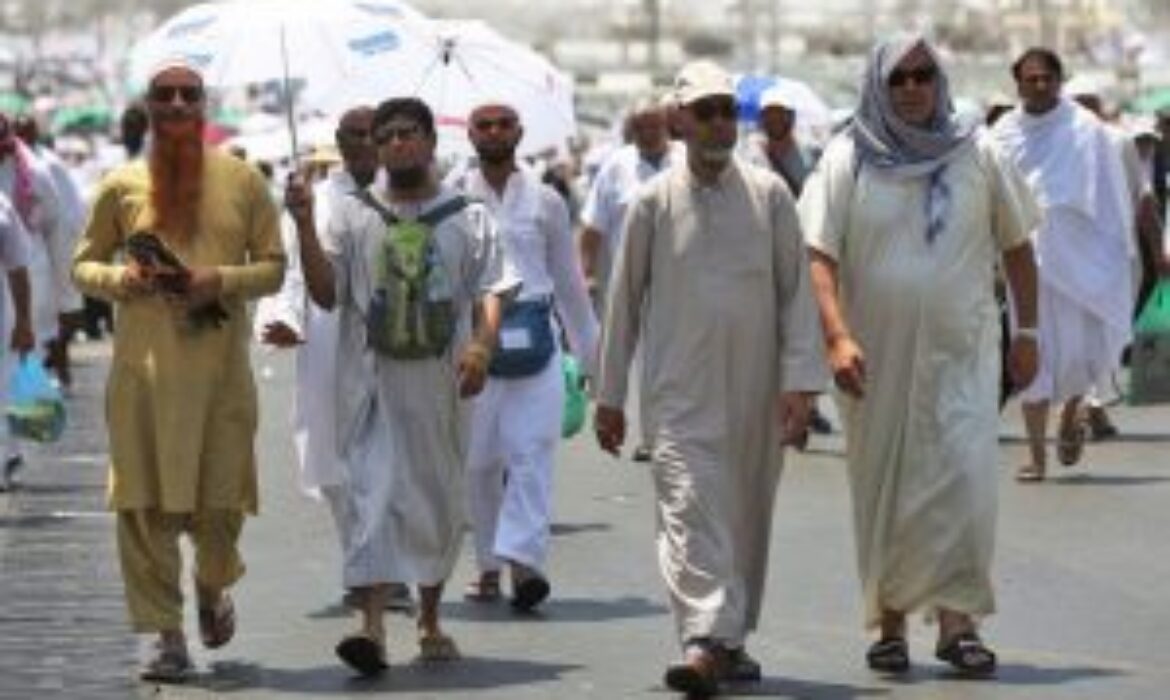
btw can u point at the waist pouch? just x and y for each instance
(526, 341)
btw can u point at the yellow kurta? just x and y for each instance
(181, 402)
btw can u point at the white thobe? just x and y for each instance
(921, 446)
(401, 426)
(320, 468)
(516, 422)
(14, 253)
(50, 249)
(1082, 246)
(618, 180)
(714, 281)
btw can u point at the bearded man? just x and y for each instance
(711, 284)
(516, 422)
(181, 400)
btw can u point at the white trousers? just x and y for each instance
(515, 427)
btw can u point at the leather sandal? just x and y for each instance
(699, 673)
(967, 654)
(217, 624)
(889, 655)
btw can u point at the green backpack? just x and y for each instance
(411, 315)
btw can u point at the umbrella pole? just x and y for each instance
(288, 103)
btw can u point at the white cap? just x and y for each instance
(701, 79)
(776, 97)
(174, 61)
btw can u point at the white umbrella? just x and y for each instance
(466, 63)
(320, 42)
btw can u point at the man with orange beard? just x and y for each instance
(181, 400)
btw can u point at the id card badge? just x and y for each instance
(515, 339)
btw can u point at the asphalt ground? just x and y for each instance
(1082, 568)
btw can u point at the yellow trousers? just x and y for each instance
(152, 565)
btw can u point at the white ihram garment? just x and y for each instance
(1082, 246)
(320, 468)
(516, 423)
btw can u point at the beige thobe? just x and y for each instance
(714, 280)
(921, 445)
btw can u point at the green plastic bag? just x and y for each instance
(576, 402)
(1149, 369)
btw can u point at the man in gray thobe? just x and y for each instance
(712, 274)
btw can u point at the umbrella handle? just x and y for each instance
(288, 103)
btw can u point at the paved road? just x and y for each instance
(1082, 569)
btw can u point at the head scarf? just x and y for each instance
(884, 141)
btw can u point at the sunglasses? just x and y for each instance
(502, 123)
(189, 94)
(387, 134)
(921, 76)
(707, 110)
(355, 134)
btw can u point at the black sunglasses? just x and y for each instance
(189, 94)
(386, 134)
(923, 75)
(706, 110)
(487, 124)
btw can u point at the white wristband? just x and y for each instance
(1027, 332)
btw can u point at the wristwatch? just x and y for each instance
(1027, 332)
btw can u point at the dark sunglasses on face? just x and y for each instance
(355, 134)
(500, 123)
(923, 75)
(706, 110)
(386, 134)
(189, 94)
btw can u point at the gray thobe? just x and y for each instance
(714, 280)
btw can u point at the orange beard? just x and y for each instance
(176, 176)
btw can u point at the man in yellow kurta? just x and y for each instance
(181, 402)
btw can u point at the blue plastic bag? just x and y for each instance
(36, 410)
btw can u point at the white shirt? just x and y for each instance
(622, 173)
(538, 245)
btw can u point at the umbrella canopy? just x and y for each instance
(811, 110)
(240, 42)
(82, 118)
(465, 64)
(1153, 101)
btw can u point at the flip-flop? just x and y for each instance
(530, 592)
(170, 664)
(1030, 474)
(363, 654)
(485, 589)
(217, 624)
(437, 648)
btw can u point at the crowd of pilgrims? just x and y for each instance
(924, 266)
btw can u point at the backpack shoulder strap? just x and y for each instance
(447, 209)
(366, 198)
